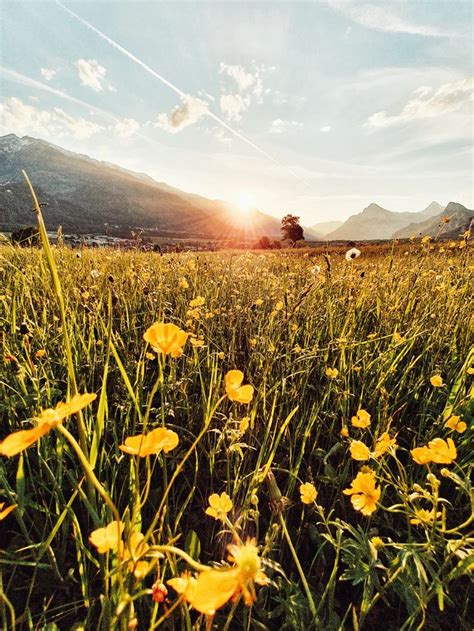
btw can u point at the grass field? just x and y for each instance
(352, 367)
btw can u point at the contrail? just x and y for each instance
(177, 90)
(22, 79)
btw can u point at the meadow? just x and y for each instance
(326, 486)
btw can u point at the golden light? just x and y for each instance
(246, 202)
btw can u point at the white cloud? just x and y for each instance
(243, 79)
(325, 129)
(222, 137)
(280, 126)
(188, 113)
(232, 106)
(47, 73)
(126, 127)
(428, 104)
(387, 17)
(23, 119)
(91, 73)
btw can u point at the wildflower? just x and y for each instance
(436, 381)
(183, 283)
(308, 493)
(219, 505)
(18, 441)
(221, 355)
(383, 444)
(41, 353)
(160, 439)
(315, 270)
(279, 306)
(166, 338)
(470, 370)
(6, 511)
(455, 423)
(258, 302)
(359, 451)
(362, 419)
(159, 592)
(344, 431)
(197, 342)
(438, 451)
(353, 253)
(150, 356)
(331, 373)
(377, 542)
(213, 588)
(133, 552)
(197, 302)
(244, 424)
(108, 538)
(426, 239)
(365, 494)
(423, 516)
(397, 338)
(234, 388)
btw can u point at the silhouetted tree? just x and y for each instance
(291, 229)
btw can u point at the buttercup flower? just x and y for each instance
(6, 511)
(424, 516)
(365, 494)
(46, 421)
(133, 552)
(359, 451)
(108, 538)
(308, 493)
(160, 439)
(166, 338)
(383, 444)
(436, 381)
(234, 388)
(438, 450)
(362, 419)
(219, 505)
(213, 588)
(455, 423)
(331, 373)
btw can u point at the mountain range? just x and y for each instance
(85, 195)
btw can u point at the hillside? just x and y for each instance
(324, 227)
(375, 222)
(459, 217)
(85, 195)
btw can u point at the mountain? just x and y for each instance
(324, 227)
(375, 222)
(459, 216)
(85, 195)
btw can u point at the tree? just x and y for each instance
(291, 229)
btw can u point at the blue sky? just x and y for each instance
(312, 108)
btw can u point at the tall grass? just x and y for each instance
(387, 322)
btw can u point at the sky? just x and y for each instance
(314, 108)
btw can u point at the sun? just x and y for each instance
(246, 202)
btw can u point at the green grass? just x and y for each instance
(344, 317)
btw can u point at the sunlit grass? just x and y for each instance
(388, 334)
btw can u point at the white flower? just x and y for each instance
(315, 270)
(353, 253)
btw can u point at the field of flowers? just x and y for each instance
(236, 440)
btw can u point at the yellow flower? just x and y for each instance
(426, 239)
(365, 494)
(279, 306)
(213, 588)
(383, 444)
(41, 353)
(183, 283)
(424, 516)
(361, 420)
(221, 355)
(377, 542)
(18, 441)
(331, 373)
(166, 338)
(308, 493)
(470, 370)
(133, 551)
(244, 424)
(234, 388)
(438, 451)
(397, 338)
(344, 431)
(455, 423)
(442, 451)
(197, 302)
(219, 505)
(436, 381)
(108, 538)
(6, 511)
(197, 341)
(359, 451)
(160, 439)
(258, 302)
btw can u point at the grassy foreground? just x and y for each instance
(388, 334)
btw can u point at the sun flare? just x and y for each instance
(246, 202)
